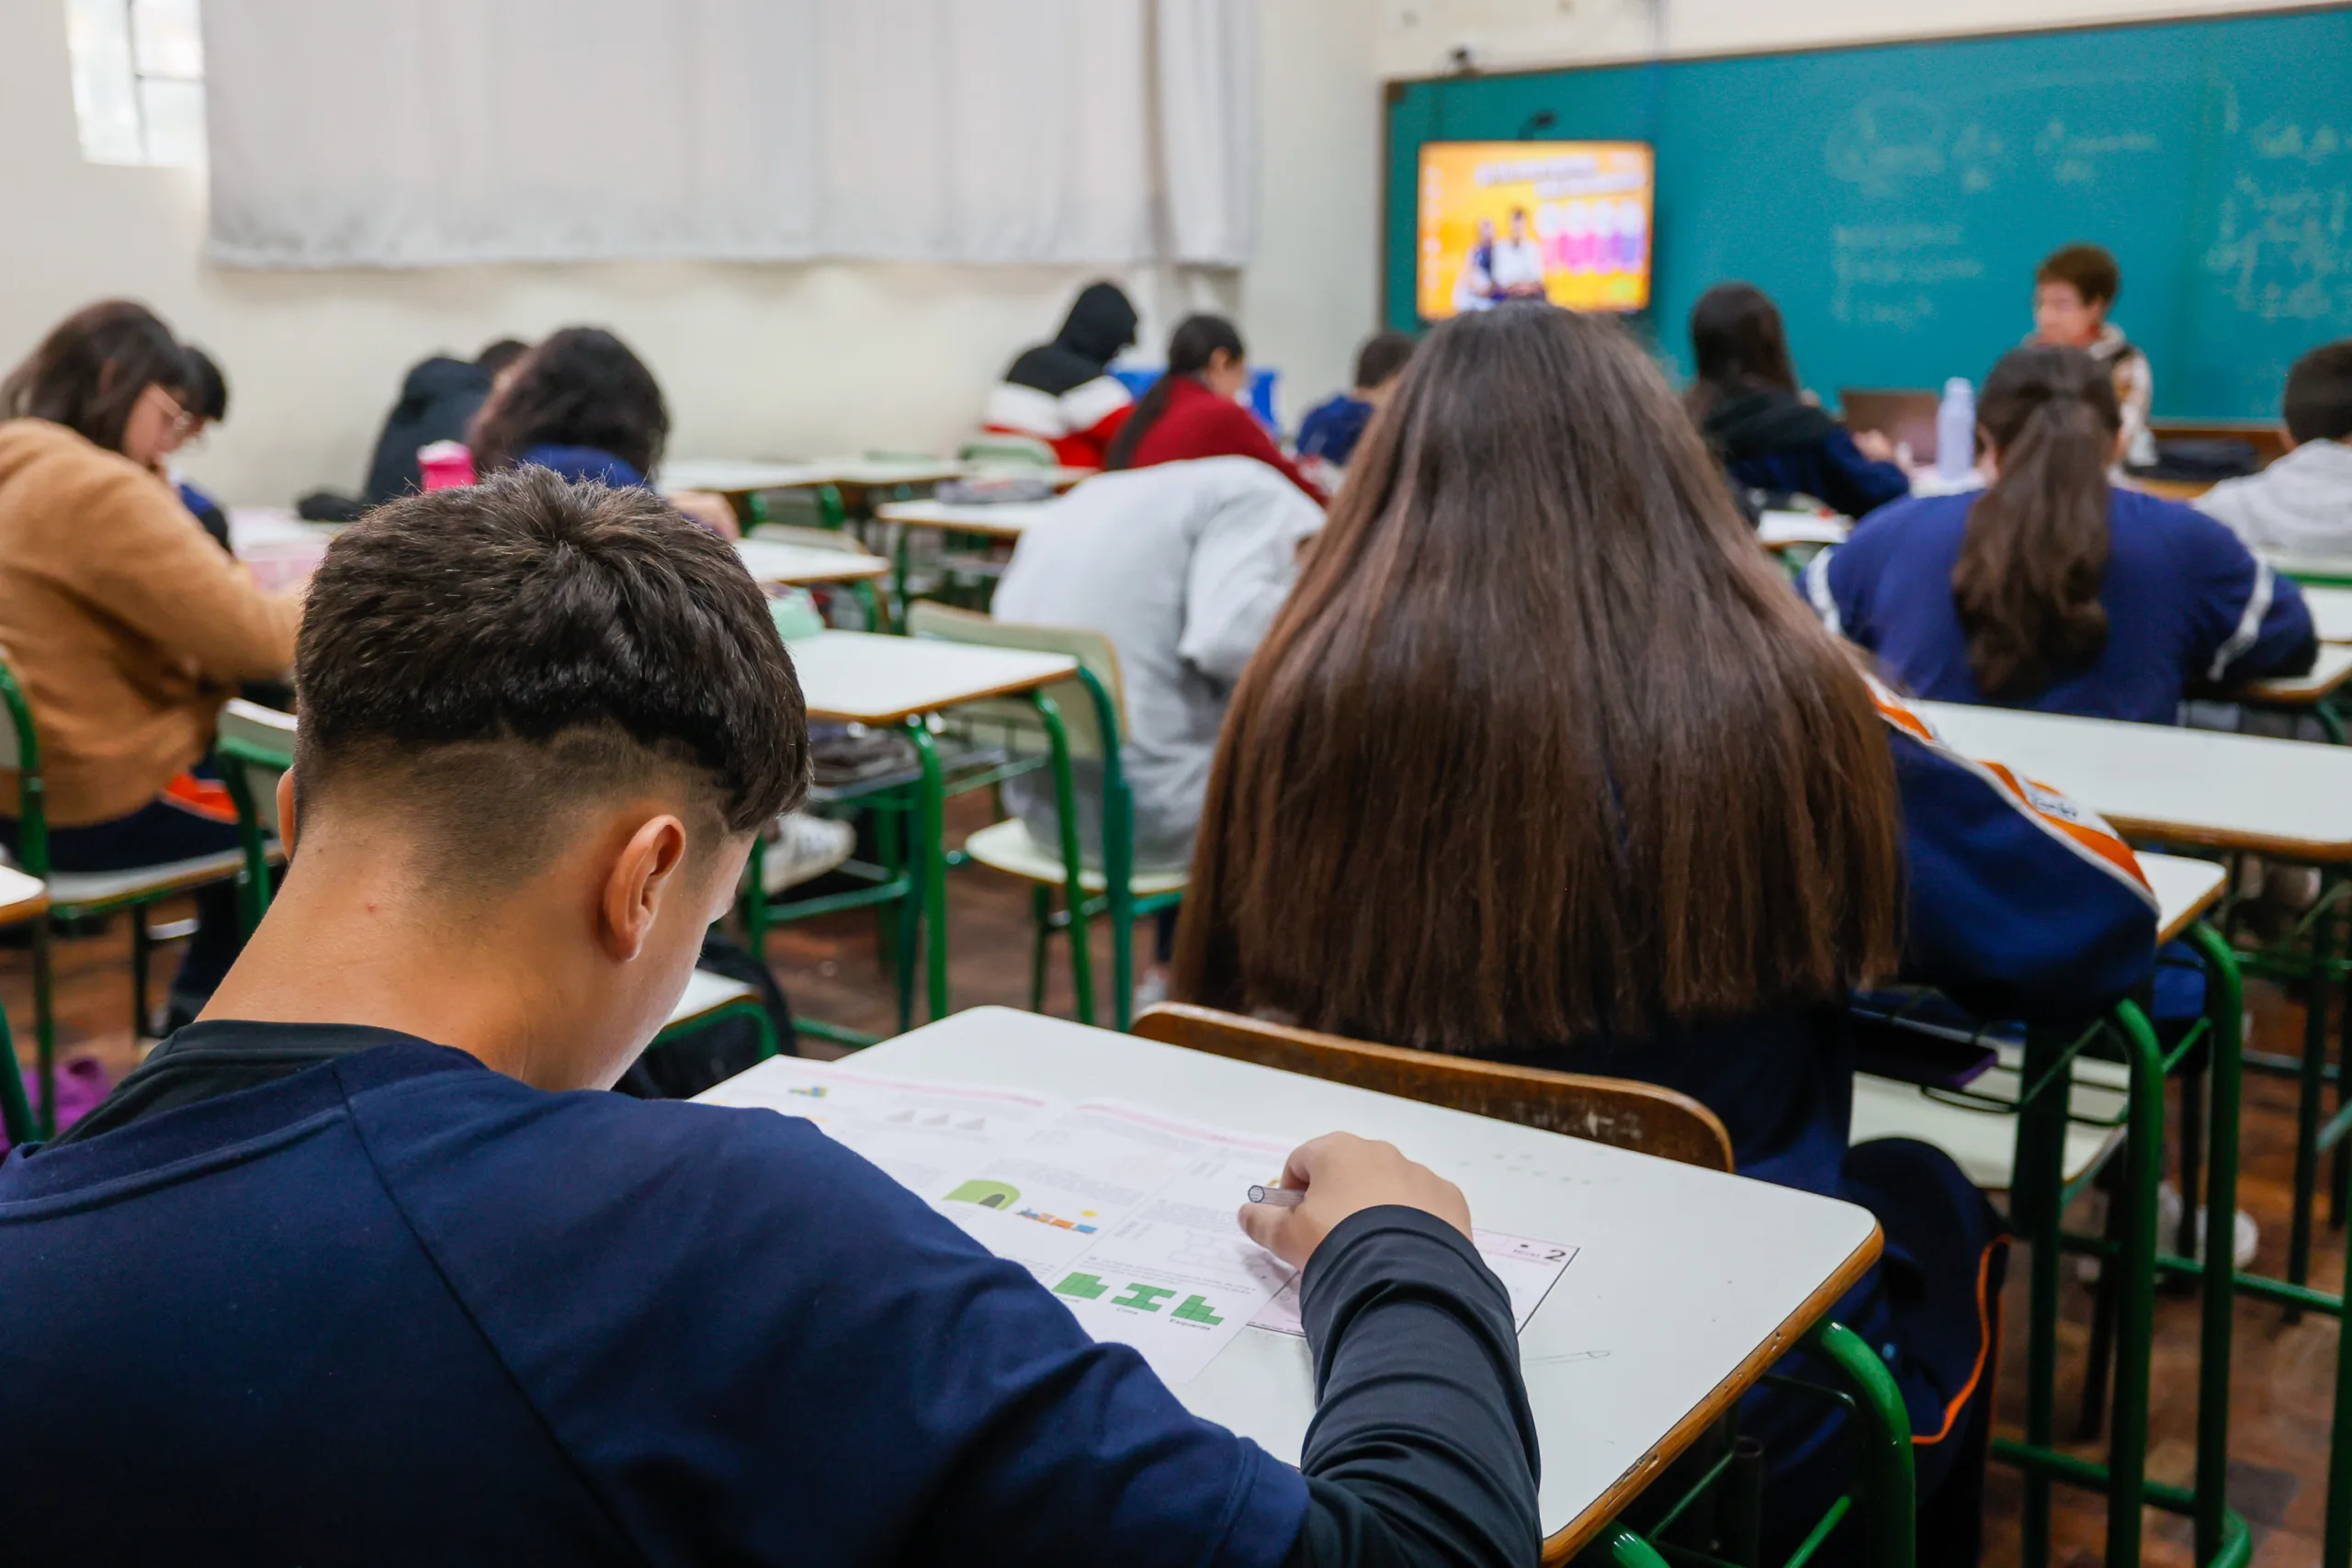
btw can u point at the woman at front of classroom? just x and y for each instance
(2074, 288)
(1748, 406)
(1191, 412)
(1543, 762)
(127, 627)
(2053, 589)
(584, 406)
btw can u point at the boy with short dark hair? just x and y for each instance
(1329, 432)
(366, 1267)
(2074, 288)
(2302, 504)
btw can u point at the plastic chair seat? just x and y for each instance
(92, 889)
(1007, 847)
(706, 993)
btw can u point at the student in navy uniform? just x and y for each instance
(208, 405)
(583, 405)
(432, 1298)
(1329, 432)
(1745, 398)
(1543, 762)
(2054, 590)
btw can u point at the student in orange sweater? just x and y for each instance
(127, 627)
(1190, 411)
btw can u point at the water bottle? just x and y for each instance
(1956, 431)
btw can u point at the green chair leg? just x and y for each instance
(16, 1110)
(1041, 919)
(1627, 1549)
(1886, 1481)
(1082, 956)
(2224, 1011)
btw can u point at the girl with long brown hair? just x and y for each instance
(1543, 761)
(2053, 589)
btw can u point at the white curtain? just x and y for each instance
(429, 133)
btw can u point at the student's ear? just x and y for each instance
(641, 875)
(285, 811)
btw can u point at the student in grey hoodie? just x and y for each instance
(1181, 565)
(2302, 504)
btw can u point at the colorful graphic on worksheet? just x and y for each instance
(1528, 1270)
(1127, 1217)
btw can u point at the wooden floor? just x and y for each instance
(2283, 1372)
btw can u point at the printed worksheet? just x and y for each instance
(1528, 1270)
(1126, 1216)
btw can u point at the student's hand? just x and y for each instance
(1341, 1174)
(1874, 445)
(711, 509)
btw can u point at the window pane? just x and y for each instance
(166, 39)
(98, 40)
(174, 114)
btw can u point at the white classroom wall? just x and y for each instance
(757, 360)
(1416, 38)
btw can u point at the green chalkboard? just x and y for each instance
(1895, 198)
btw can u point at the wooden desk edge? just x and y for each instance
(899, 715)
(1563, 1543)
(2195, 912)
(2305, 851)
(25, 909)
(860, 568)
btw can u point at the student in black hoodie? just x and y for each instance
(1745, 400)
(1062, 392)
(439, 399)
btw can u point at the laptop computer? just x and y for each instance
(1906, 418)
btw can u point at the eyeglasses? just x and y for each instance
(183, 422)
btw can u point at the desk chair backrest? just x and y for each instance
(1006, 449)
(255, 745)
(835, 539)
(1618, 1111)
(20, 754)
(1082, 717)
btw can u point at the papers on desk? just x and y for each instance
(1528, 1270)
(1777, 530)
(1128, 1216)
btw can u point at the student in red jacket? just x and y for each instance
(1190, 411)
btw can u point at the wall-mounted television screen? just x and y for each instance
(1568, 222)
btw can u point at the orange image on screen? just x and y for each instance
(1568, 221)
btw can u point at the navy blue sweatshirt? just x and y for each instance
(382, 1304)
(2186, 602)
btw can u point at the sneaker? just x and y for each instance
(803, 848)
(2245, 1238)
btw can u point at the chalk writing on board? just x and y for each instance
(2281, 248)
(2076, 157)
(1887, 273)
(1892, 141)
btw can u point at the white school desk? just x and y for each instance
(2288, 798)
(2334, 570)
(1687, 1285)
(776, 561)
(728, 476)
(1983, 1141)
(21, 896)
(2328, 671)
(1004, 520)
(864, 678)
(2330, 611)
